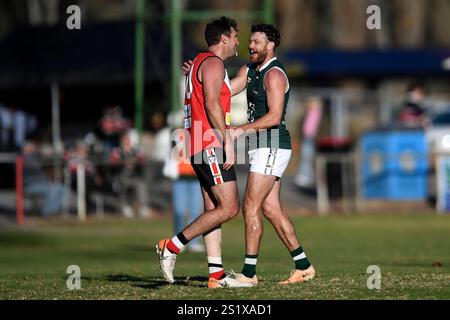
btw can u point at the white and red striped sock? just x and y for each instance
(177, 243)
(215, 268)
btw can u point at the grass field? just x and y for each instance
(118, 261)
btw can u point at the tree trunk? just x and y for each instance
(439, 24)
(298, 26)
(349, 24)
(43, 12)
(409, 22)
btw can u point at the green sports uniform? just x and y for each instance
(257, 107)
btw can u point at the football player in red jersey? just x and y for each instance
(211, 149)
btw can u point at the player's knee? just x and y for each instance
(235, 209)
(248, 206)
(232, 209)
(231, 212)
(269, 211)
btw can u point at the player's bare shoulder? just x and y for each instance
(275, 78)
(212, 66)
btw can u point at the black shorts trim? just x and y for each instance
(208, 166)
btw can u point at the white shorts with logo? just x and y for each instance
(269, 161)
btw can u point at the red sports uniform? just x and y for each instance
(205, 146)
(195, 117)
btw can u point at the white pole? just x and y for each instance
(81, 192)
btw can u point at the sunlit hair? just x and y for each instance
(270, 31)
(216, 28)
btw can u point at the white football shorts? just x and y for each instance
(269, 161)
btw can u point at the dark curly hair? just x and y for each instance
(271, 32)
(218, 27)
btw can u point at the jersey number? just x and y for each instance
(251, 112)
(187, 116)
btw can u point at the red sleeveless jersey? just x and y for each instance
(195, 116)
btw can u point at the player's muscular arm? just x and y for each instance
(212, 73)
(239, 82)
(275, 83)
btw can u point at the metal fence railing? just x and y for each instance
(80, 193)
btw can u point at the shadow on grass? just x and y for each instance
(151, 282)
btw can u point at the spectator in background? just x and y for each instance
(94, 181)
(305, 177)
(158, 150)
(112, 125)
(37, 183)
(130, 160)
(161, 143)
(15, 125)
(412, 112)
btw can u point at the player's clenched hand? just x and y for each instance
(187, 67)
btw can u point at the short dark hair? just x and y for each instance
(271, 32)
(217, 27)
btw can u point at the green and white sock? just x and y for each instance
(249, 269)
(300, 259)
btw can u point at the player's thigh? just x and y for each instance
(209, 201)
(258, 188)
(272, 204)
(219, 185)
(226, 194)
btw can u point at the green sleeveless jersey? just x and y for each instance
(277, 136)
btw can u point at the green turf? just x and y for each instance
(118, 261)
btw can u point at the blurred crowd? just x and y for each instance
(118, 164)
